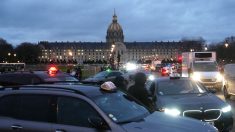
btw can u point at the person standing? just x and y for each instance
(120, 83)
(139, 91)
(79, 73)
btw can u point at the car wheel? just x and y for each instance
(226, 94)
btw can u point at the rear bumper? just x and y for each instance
(216, 85)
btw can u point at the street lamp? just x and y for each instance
(226, 45)
(206, 49)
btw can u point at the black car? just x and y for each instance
(67, 108)
(101, 77)
(185, 97)
(35, 77)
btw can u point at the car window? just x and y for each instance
(8, 106)
(36, 108)
(72, 111)
(229, 70)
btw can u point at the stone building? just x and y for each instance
(114, 47)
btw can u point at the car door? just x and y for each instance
(8, 107)
(34, 113)
(74, 114)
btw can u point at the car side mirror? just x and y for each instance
(98, 123)
(212, 91)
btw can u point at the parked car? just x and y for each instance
(229, 75)
(179, 96)
(69, 108)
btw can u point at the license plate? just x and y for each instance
(211, 123)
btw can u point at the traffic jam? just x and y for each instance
(176, 97)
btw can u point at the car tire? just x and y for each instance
(226, 94)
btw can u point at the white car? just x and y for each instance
(229, 74)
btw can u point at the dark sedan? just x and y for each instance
(103, 76)
(182, 96)
(78, 108)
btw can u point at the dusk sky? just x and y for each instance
(141, 20)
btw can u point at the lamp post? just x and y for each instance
(112, 56)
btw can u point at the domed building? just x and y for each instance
(114, 32)
(114, 50)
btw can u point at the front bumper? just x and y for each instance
(216, 85)
(225, 122)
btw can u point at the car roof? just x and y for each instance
(168, 79)
(86, 90)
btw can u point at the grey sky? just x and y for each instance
(142, 20)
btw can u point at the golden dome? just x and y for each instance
(114, 32)
(115, 26)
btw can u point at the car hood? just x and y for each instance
(191, 101)
(164, 123)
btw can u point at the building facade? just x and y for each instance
(115, 49)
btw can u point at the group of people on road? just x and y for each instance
(137, 90)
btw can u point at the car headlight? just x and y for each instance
(196, 76)
(172, 112)
(219, 77)
(226, 109)
(151, 77)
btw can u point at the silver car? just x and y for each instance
(229, 75)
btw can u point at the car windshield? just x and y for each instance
(229, 70)
(120, 107)
(205, 66)
(101, 74)
(174, 87)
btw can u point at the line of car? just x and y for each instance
(118, 111)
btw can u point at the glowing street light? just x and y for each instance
(226, 45)
(70, 53)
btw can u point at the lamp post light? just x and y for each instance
(226, 45)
